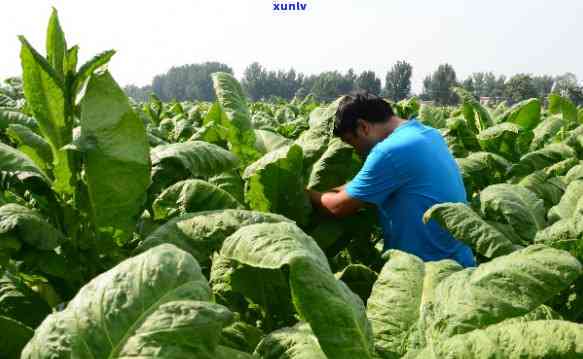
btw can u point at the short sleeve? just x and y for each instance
(376, 180)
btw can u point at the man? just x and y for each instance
(408, 169)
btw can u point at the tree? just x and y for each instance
(398, 81)
(565, 82)
(426, 93)
(140, 94)
(188, 82)
(330, 85)
(368, 81)
(543, 84)
(468, 85)
(499, 88)
(567, 85)
(442, 82)
(520, 87)
(254, 81)
(262, 84)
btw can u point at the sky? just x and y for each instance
(503, 36)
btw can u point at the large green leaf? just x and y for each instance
(562, 105)
(477, 117)
(44, 91)
(177, 161)
(462, 133)
(562, 234)
(393, 307)
(514, 205)
(546, 130)
(548, 189)
(9, 116)
(33, 145)
(88, 68)
(506, 139)
(324, 116)
(241, 336)
(314, 141)
(481, 169)
(568, 203)
(117, 164)
(337, 166)
(561, 168)
(536, 339)
(267, 141)
(16, 162)
(232, 100)
(202, 233)
(575, 173)
(213, 129)
(402, 300)
(71, 60)
(506, 287)
(542, 158)
(271, 246)
(146, 306)
(298, 342)
(565, 234)
(28, 227)
(274, 183)
(56, 44)
(192, 196)
(231, 182)
(526, 114)
(467, 226)
(335, 314)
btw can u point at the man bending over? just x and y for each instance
(408, 169)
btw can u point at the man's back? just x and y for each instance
(404, 175)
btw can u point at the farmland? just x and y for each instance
(183, 229)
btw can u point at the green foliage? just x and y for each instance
(519, 88)
(439, 86)
(203, 233)
(398, 81)
(467, 226)
(332, 310)
(238, 119)
(187, 82)
(116, 152)
(562, 105)
(113, 213)
(564, 343)
(191, 196)
(273, 184)
(367, 81)
(163, 291)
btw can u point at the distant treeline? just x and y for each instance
(193, 82)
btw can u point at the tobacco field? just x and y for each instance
(183, 230)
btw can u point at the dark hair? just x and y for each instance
(360, 105)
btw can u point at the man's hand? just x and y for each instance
(337, 204)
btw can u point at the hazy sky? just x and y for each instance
(507, 37)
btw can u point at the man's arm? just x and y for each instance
(336, 203)
(338, 189)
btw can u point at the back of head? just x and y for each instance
(360, 105)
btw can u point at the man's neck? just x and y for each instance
(392, 125)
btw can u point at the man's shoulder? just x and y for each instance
(411, 134)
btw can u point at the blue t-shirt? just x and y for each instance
(404, 175)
